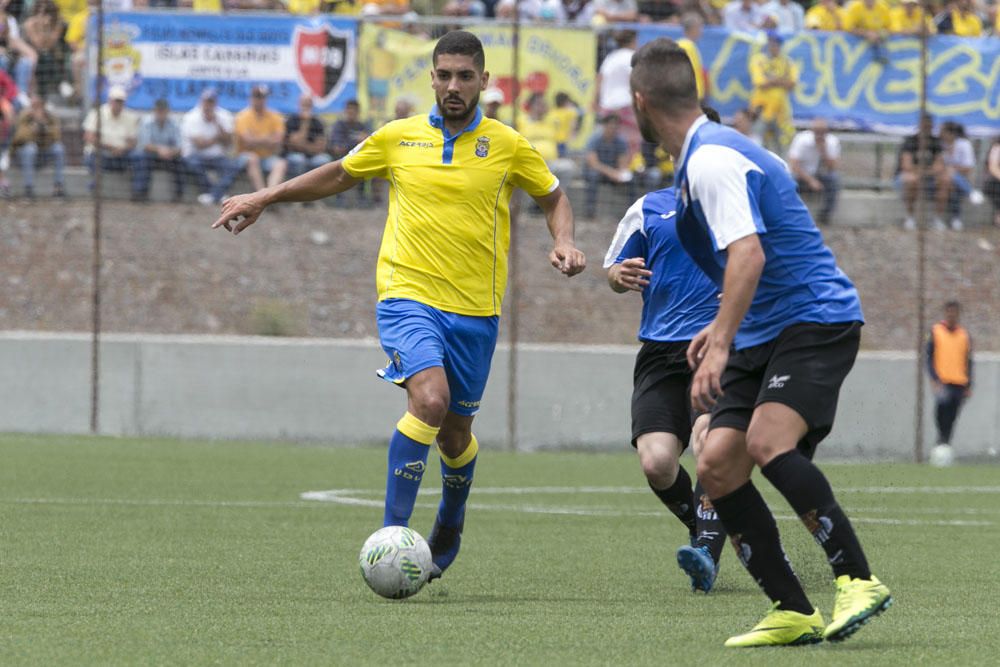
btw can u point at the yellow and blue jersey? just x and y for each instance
(448, 229)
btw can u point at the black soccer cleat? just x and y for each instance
(444, 543)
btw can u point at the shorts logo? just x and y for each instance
(396, 361)
(470, 404)
(778, 381)
(482, 146)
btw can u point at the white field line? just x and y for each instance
(350, 497)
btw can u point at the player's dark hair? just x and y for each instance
(662, 72)
(461, 43)
(711, 114)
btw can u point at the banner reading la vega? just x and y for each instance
(176, 56)
(840, 79)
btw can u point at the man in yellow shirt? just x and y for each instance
(869, 20)
(260, 136)
(905, 19)
(774, 77)
(825, 15)
(960, 20)
(442, 267)
(694, 27)
(540, 127)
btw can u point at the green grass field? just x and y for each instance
(122, 551)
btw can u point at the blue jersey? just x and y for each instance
(679, 300)
(731, 188)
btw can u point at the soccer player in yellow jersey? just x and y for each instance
(442, 267)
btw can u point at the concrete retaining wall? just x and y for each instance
(326, 390)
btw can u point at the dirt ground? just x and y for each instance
(311, 271)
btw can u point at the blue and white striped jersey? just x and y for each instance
(680, 300)
(730, 188)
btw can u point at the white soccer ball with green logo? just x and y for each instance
(395, 562)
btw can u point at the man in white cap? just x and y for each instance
(119, 135)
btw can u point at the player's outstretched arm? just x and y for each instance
(708, 352)
(630, 274)
(565, 256)
(241, 211)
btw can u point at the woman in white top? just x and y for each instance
(960, 161)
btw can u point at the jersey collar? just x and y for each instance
(437, 120)
(682, 158)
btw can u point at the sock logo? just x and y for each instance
(705, 509)
(456, 481)
(743, 550)
(778, 381)
(819, 526)
(413, 471)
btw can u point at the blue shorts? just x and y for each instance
(416, 337)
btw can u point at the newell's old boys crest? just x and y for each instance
(482, 146)
(324, 61)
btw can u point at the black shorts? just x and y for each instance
(802, 368)
(661, 394)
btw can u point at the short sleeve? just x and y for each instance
(90, 122)
(529, 171)
(718, 181)
(369, 159)
(630, 237)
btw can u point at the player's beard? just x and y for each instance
(646, 128)
(458, 116)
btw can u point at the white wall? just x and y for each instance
(308, 389)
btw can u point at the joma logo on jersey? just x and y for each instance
(416, 144)
(482, 146)
(778, 381)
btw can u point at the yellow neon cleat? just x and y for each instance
(857, 602)
(782, 628)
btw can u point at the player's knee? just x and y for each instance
(658, 459)
(763, 446)
(714, 472)
(429, 406)
(454, 442)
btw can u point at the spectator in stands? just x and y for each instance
(788, 16)
(949, 364)
(8, 117)
(206, 136)
(532, 10)
(774, 77)
(869, 20)
(612, 87)
(959, 19)
(348, 131)
(991, 178)
(492, 99)
(615, 11)
(578, 11)
(568, 117)
(70, 8)
(960, 163)
(743, 15)
(607, 162)
(43, 30)
(305, 139)
(260, 137)
(905, 18)
(694, 26)
(745, 122)
(923, 173)
(404, 108)
(825, 15)
(159, 148)
(813, 158)
(36, 139)
(541, 128)
(16, 55)
(464, 8)
(119, 137)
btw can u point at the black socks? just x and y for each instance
(677, 498)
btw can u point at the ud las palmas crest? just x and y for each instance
(324, 61)
(482, 146)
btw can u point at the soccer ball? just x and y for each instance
(395, 562)
(942, 456)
